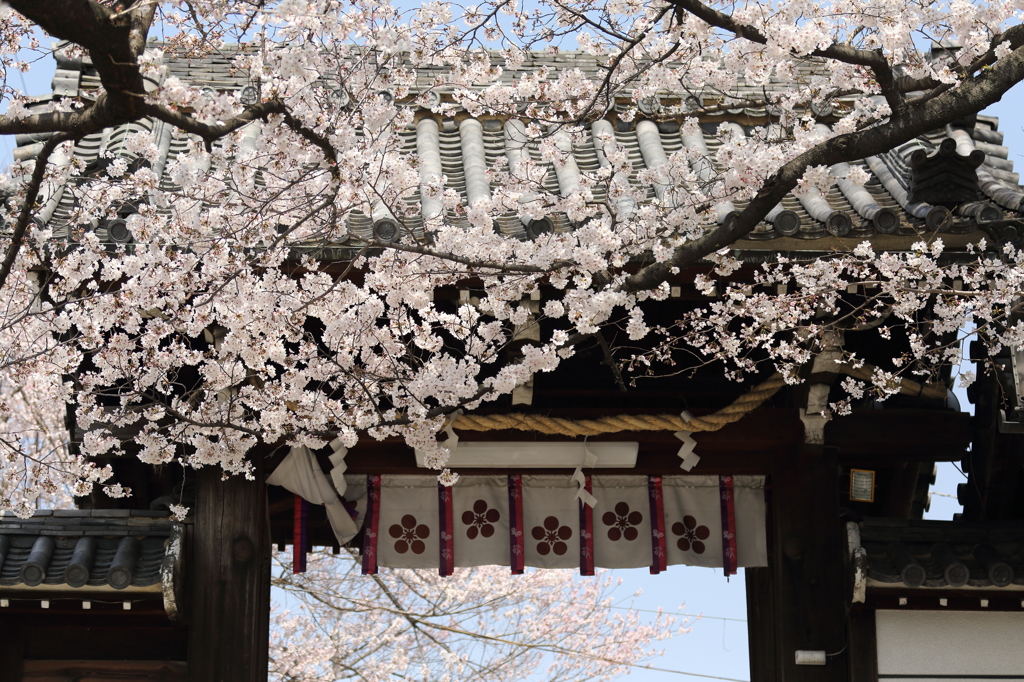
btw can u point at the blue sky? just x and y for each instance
(717, 644)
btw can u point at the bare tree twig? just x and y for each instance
(610, 361)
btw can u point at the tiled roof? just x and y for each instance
(942, 554)
(91, 550)
(883, 206)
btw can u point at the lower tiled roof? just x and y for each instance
(943, 554)
(84, 549)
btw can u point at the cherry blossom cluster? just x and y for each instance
(254, 306)
(793, 310)
(480, 623)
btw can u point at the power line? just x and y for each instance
(677, 613)
(680, 672)
(700, 616)
(557, 650)
(667, 613)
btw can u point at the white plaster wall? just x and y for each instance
(957, 645)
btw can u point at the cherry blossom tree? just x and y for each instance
(480, 624)
(33, 440)
(223, 324)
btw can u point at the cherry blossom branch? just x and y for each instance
(741, 102)
(496, 266)
(95, 116)
(610, 361)
(970, 97)
(342, 612)
(1013, 35)
(212, 132)
(414, 622)
(141, 16)
(28, 205)
(631, 44)
(873, 59)
(114, 41)
(316, 139)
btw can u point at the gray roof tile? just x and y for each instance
(967, 541)
(216, 71)
(150, 532)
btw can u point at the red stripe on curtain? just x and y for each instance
(299, 535)
(516, 538)
(371, 524)
(587, 533)
(446, 540)
(728, 525)
(659, 553)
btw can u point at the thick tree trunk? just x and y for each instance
(229, 585)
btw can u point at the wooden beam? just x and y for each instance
(966, 599)
(887, 436)
(75, 641)
(104, 615)
(400, 461)
(764, 427)
(87, 671)
(760, 443)
(26, 599)
(765, 441)
(902, 487)
(229, 580)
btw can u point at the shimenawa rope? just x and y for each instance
(623, 422)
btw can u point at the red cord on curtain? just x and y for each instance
(300, 538)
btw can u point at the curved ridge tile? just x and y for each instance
(428, 149)
(786, 222)
(601, 130)
(885, 220)
(474, 163)
(53, 191)
(567, 172)
(515, 137)
(992, 151)
(76, 574)
(163, 135)
(649, 140)
(705, 170)
(986, 134)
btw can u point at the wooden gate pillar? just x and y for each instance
(12, 650)
(798, 602)
(229, 579)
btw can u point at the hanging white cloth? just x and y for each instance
(338, 466)
(635, 519)
(301, 474)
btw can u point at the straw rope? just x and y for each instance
(623, 422)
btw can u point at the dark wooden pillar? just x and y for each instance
(863, 651)
(799, 601)
(12, 650)
(761, 625)
(229, 580)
